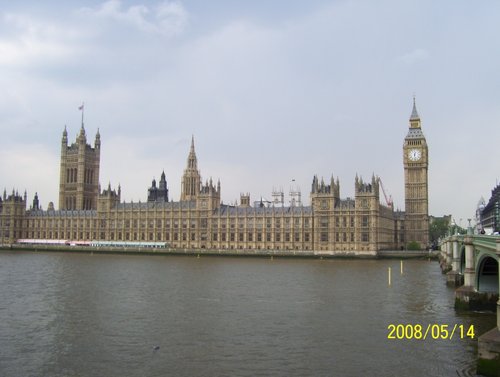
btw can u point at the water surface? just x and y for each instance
(111, 315)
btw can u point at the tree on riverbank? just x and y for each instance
(438, 227)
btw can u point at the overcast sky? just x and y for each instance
(273, 91)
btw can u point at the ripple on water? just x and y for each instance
(77, 315)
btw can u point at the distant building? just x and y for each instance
(199, 220)
(479, 211)
(490, 215)
(158, 194)
(445, 218)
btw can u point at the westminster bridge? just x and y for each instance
(471, 263)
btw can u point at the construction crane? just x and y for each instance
(388, 199)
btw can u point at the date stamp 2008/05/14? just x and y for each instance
(431, 331)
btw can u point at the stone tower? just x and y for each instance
(209, 196)
(324, 200)
(416, 163)
(325, 196)
(12, 213)
(191, 179)
(79, 174)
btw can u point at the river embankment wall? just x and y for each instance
(400, 254)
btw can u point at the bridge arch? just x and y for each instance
(487, 274)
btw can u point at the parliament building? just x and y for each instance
(330, 225)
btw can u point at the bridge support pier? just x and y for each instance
(488, 362)
(466, 296)
(449, 254)
(446, 257)
(454, 277)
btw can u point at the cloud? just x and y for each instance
(413, 57)
(167, 18)
(82, 39)
(323, 90)
(26, 40)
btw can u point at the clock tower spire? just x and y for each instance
(414, 117)
(416, 163)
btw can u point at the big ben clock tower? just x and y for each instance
(416, 163)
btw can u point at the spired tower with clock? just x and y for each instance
(416, 163)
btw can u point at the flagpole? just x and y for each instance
(83, 109)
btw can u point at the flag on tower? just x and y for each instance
(82, 110)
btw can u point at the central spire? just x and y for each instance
(192, 160)
(191, 179)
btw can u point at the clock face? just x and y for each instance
(414, 154)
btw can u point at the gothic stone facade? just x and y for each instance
(359, 225)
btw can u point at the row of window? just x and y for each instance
(323, 223)
(72, 175)
(204, 236)
(70, 202)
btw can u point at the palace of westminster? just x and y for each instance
(199, 220)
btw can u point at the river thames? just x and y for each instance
(112, 315)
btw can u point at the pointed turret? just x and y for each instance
(82, 137)
(97, 142)
(64, 140)
(314, 186)
(36, 202)
(163, 184)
